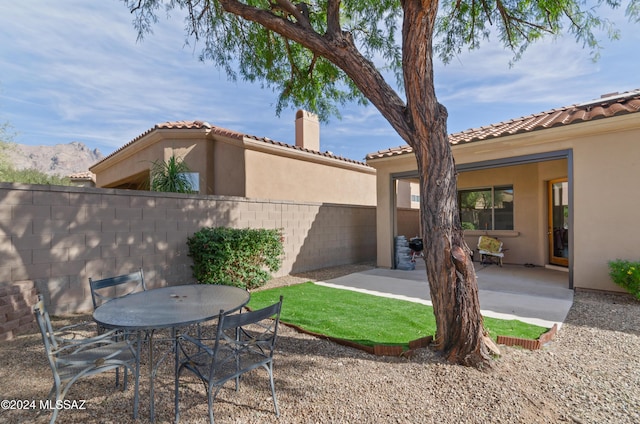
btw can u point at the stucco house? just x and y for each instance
(559, 188)
(226, 162)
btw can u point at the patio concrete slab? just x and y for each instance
(536, 295)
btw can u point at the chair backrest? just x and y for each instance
(249, 337)
(46, 330)
(489, 244)
(109, 288)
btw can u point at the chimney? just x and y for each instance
(307, 130)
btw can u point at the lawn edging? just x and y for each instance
(379, 350)
(396, 350)
(527, 343)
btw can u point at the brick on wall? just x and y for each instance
(16, 305)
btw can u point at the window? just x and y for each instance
(415, 198)
(486, 208)
(194, 181)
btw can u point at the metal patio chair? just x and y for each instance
(72, 356)
(243, 342)
(109, 288)
(106, 289)
(490, 247)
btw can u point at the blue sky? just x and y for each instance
(73, 70)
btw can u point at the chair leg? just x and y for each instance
(59, 397)
(176, 374)
(54, 416)
(273, 389)
(210, 405)
(136, 395)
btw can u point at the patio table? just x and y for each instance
(168, 308)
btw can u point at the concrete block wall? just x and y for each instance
(408, 222)
(52, 239)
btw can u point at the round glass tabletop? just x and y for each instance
(173, 306)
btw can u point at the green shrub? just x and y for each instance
(235, 257)
(626, 274)
(30, 176)
(468, 225)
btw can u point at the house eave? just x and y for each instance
(551, 136)
(554, 136)
(146, 140)
(264, 146)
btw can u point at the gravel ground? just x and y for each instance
(588, 374)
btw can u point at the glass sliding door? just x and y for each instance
(558, 231)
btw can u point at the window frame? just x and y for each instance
(492, 189)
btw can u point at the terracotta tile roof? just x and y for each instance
(303, 149)
(86, 175)
(212, 129)
(182, 125)
(609, 105)
(164, 125)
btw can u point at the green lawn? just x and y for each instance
(367, 319)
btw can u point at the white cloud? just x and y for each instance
(73, 71)
(552, 73)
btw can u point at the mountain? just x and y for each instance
(61, 159)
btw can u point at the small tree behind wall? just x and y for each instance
(171, 176)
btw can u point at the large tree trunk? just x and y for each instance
(452, 280)
(421, 122)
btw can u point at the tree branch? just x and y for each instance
(135, 8)
(290, 9)
(333, 18)
(417, 34)
(508, 19)
(340, 50)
